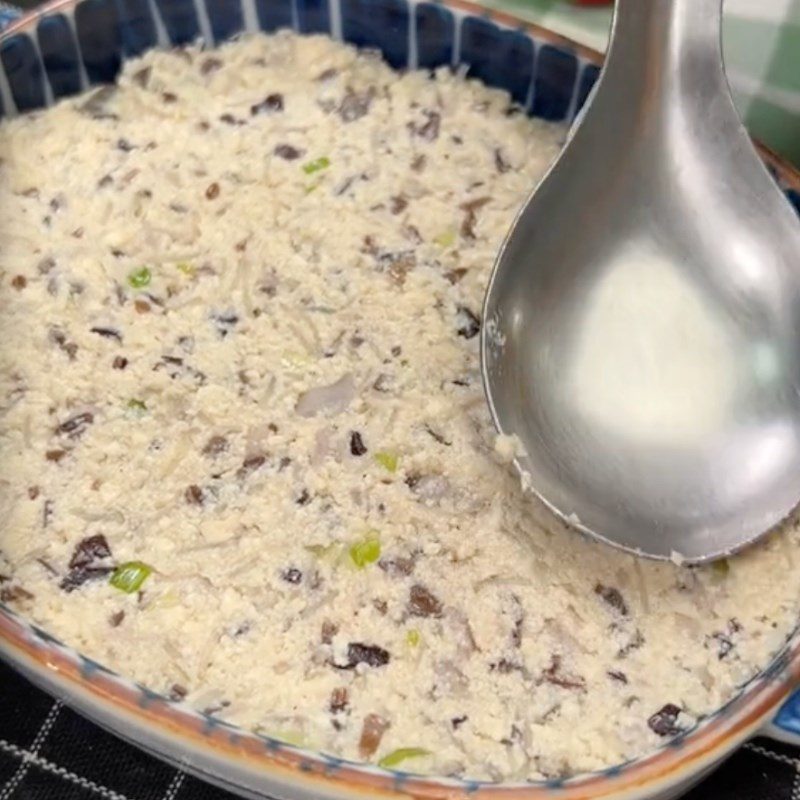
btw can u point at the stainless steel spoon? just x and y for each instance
(642, 324)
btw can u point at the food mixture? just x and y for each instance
(246, 457)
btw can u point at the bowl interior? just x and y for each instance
(68, 47)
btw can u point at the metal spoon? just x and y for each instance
(642, 324)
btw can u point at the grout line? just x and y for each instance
(16, 779)
(30, 758)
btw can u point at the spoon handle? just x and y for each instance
(664, 87)
(669, 28)
(664, 50)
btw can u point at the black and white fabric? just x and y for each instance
(48, 752)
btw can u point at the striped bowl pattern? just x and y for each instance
(68, 46)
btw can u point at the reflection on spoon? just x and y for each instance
(654, 362)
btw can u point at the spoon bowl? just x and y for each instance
(650, 366)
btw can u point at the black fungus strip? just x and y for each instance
(76, 425)
(271, 104)
(357, 446)
(469, 324)
(663, 722)
(423, 603)
(86, 562)
(612, 597)
(370, 654)
(355, 105)
(292, 575)
(287, 152)
(107, 333)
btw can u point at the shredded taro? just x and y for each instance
(247, 460)
(330, 399)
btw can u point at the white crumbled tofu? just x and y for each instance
(239, 299)
(508, 447)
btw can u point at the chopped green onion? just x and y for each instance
(139, 278)
(138, 406)
(312, 187)
(296, 738)
(323, 162)
(168, 599)
(387, 460)
(445, 240)
(130, 576)
(331, 553)
(413, 637)
(397, 756)
(366, 551)
(186, 268)
(721, 568)
(295, 360)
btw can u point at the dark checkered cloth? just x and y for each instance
(48, 752)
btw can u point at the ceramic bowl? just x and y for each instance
(65, 47)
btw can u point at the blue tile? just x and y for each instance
(274, 14)
(501, 58)
(137, 26)
(97, 26)
(147, 697)
(180, 20)
(209, 724)
(273, 745)
(24, 71)
(378, 23)
(226, 18)
(89, 667)
(59, 55)
(556, 72)
(332, 764)
(677, 742)
(313, 16)
(516, 71)
(399, 780)
(46, 637)
(588, 79)
(435, 35)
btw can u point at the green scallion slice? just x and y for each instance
(323, 162)
(366, 551)
(387, 460)
(445, 239)
(128, 577)
(139, 278)
(403, 753)
(721, 567)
